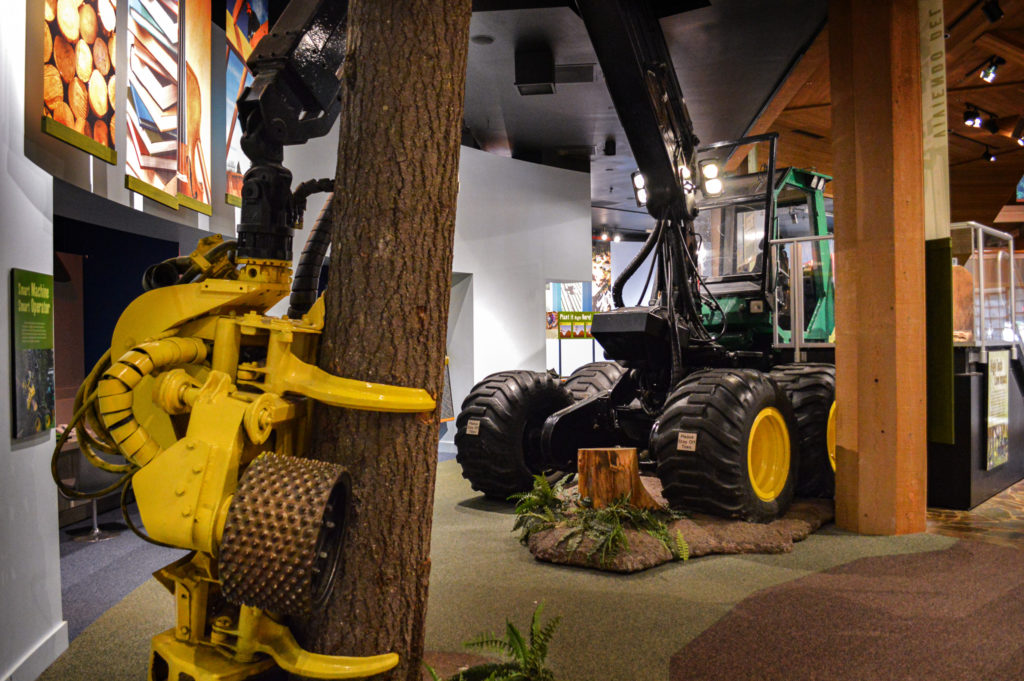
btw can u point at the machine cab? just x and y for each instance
(765, 258)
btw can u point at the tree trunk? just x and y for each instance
(607, 475)
(387, 310)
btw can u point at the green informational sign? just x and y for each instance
(32, 392)
(998, 408)
(575, 324)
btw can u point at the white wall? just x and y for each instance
(622, 253)
(32, 632)
(460, 341)
(518, 225)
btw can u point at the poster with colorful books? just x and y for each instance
(194, 106)
(32, 391)
(79, 49)
(246, 23)
(152, 107)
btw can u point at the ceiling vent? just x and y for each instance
(535, 71)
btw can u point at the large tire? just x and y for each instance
(811, 389)
(498, 436)
(723, 445)
(593, 378)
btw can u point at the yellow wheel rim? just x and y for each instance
(768, 454)
(830, 436)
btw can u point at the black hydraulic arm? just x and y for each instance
(293, 98)
(642, 82)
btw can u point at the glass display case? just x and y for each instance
(986, 288)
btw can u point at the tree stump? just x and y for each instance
(607, 475)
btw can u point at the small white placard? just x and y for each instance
(473, 427)
(687, 442)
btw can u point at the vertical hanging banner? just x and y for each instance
(78, 74)
(32, 391)
(998, 450)
(194, 106)
(938, 245)
(246, 23)
(152, 110)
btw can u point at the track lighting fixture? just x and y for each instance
(1018, 131)
(990, 68)
(992, 11)
(972, 117)
(989, 154)
(604, 236)
(617, 237)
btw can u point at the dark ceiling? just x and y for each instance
(730, 56)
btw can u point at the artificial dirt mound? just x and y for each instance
(704, 535)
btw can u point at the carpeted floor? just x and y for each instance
(952, 614)
(614, 627)
(93, 576)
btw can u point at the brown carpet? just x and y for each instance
(951, 614)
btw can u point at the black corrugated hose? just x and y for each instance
(307, 272)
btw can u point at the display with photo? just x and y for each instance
(194, 106)
(247, 22)
(152, 108)
(32, 385)
(79, 53)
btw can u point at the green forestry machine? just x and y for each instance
(709, 379)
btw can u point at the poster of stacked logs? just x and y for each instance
(79, 49)
(246, 23)
(152, 106)
(194, 107)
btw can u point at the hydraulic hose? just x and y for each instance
(634, 264)
(118, 383)
(194, 274)
(307, 273)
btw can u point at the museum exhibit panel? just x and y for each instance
(754, 311)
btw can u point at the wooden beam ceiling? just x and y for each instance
(800, 110)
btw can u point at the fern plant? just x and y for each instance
(546, 506)
(540, 508)
(527, 655)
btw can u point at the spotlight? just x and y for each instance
(639, 188)
(972, 117)
(1018, 131)
(604, 236)
(711, 183)
(992, 11)
(989, 156)
(713, 187)
(990, 68)
(618, 237)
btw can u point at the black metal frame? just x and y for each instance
(770, 187)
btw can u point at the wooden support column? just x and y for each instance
(879, 238)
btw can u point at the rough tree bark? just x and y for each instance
(387, 310)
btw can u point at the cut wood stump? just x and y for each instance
(606, 475)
